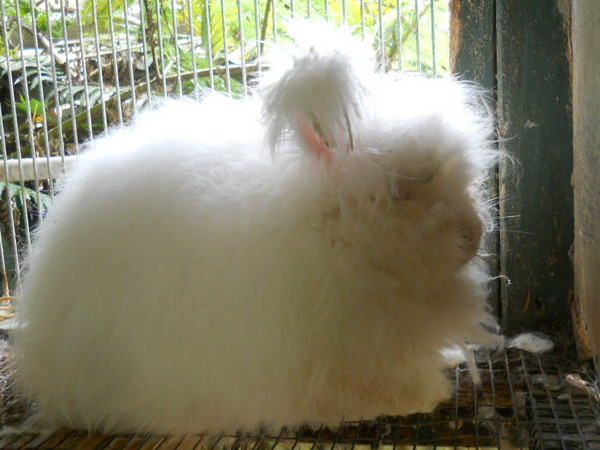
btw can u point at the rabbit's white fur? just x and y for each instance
(186, 279)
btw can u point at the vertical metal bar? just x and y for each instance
(242, 48)
(417, 432)
(417, 36)
(161, 48)
(83, 74)
(100, 68)
(30, 118)
(362, 20)
(257, 28)
(57, 99)
(433, 58)
(193, 47)
(176, 46)
(11, 219)
(456, 408)
(399, 19)
(211, 69)
(145, 48)
(514, 400)
(308, 10)
(382, 58)
(42, 101)
(69, 74)
(3, 266)
(14, 116)
(128, 47)
(476, 415)
(274, 17)
(115, 62)
(225, 49)
(490, 368)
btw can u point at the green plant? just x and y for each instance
(182, 39)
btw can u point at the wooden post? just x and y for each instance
(535, 127)
(521, 49)
(586, 178)
(473, 41)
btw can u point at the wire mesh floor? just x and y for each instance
(525, 401)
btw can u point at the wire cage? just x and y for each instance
(525, 401)
(71, 69)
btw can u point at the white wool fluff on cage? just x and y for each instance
(304, 255)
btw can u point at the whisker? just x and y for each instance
(528, 233)
(512, 216)
(425, 179)
(483, 258)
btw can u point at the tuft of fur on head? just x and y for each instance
(316, 84)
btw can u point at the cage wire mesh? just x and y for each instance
(525, 401)
(71, 69)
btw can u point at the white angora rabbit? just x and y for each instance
(304, 255)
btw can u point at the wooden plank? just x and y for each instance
(473, 58)
(535, 126)
(118, 442)
(473, 41)
(191, 442)
(144, 442)
(171, 442)
(152, 443)
(86, 442)
(586, 177)
(38, 439)
(56, 439)
(16, 440)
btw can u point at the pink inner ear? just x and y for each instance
(314, 141)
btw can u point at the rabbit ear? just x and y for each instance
(316, 100)
(313, 140)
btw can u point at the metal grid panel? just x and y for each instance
(69, 69)
(525, 401)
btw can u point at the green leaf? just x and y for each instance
(16, 190)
